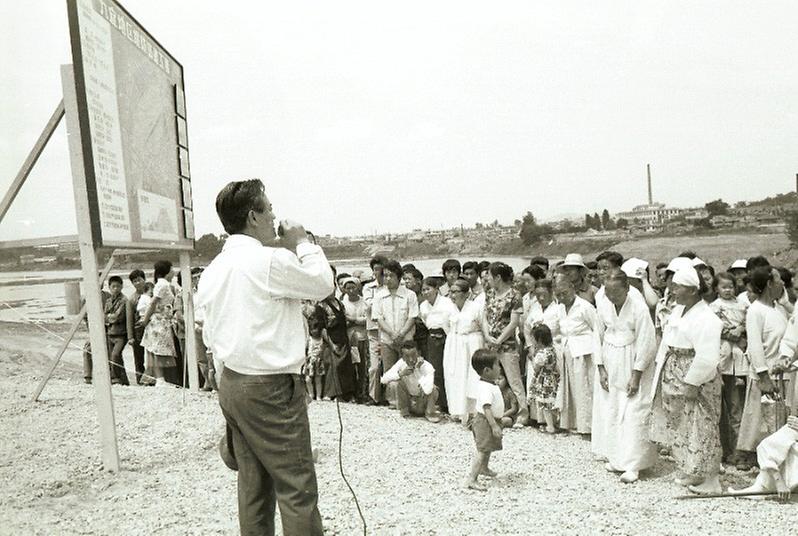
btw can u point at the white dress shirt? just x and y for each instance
(251, 298)
(580, 328)
(421, 381)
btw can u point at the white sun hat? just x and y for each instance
(679, 262)
(739, 263)
(635, 268)
(574, 259)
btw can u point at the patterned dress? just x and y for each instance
(158, 332)
(689, 354)
(543, 388)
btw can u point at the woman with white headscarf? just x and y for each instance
(685, 410)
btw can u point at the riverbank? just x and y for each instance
(407, 474)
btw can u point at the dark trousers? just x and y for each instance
(362, 371)
(138, 357)
(435, 344)
(116, 345)
(268, 419)
(415, 405)
(732, 402)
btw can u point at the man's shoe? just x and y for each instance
(630, 476)
(433, 418)
(87, 380)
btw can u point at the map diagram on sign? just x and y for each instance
(135, 110)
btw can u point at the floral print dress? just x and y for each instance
(158, 333)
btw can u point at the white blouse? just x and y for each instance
(764, 328)
(580, 328)
(436, 316)
(699, 329)
(633, 325)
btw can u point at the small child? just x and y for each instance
(315, 367)
(485, 427)
(543, 388)
(733, 365)
(508, 418)
(145, 299)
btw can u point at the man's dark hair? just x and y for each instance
(612, 257)
(408, 266)
(662, 265)
(408, 345)
(341, 276)
(236, 200)
(135, 274)
(433, 282)
(415, 272)
(378, 259)
(540, 261)
(161, 268)
(471, 265)
(591, 265)
(482, 359)
(688, 254)
(395, 267)
(760, 277)
(535, 271)
(451, 264)
(483, 265)
(114, 279)
(502, 270)
(786, 276)
(756, 262)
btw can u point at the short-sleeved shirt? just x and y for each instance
(490, 394)
(499, 310)
(395, 309)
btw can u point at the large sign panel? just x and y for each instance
(132, 113)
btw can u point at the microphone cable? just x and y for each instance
(341, 464)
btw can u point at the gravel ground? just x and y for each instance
(407, 474)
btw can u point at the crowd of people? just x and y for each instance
(677, 359)
(151, 321)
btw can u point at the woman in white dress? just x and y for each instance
(581, 340)
(765, 325)
(542, 310)
(685, 411)
(464, 338)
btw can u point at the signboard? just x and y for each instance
(132, 115)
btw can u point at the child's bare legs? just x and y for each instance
(318, 379)
(506, 422)
(480, 461)
(485, 471)
(549, 416)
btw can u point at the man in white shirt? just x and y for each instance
(395, 309)
(415, 381)
(251, 294)
(370, 290)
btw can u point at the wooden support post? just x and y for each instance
(70, 335)
(33, 156)
(190, 350)
(100, 373)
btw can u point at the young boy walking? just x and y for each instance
(490, 407)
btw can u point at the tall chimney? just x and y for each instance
(796, 183)
(650, 197)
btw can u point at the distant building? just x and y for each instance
(650, 217)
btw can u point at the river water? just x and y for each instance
(41, 295)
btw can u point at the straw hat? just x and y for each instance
(574, 259)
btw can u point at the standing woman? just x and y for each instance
(340, 378)
(581, 340)
(765, 324)
(685, 410)
(435, 311)
(543, 310)
(157, 323)
(501, 317)
(464, 338)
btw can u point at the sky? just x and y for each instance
(385, 116)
